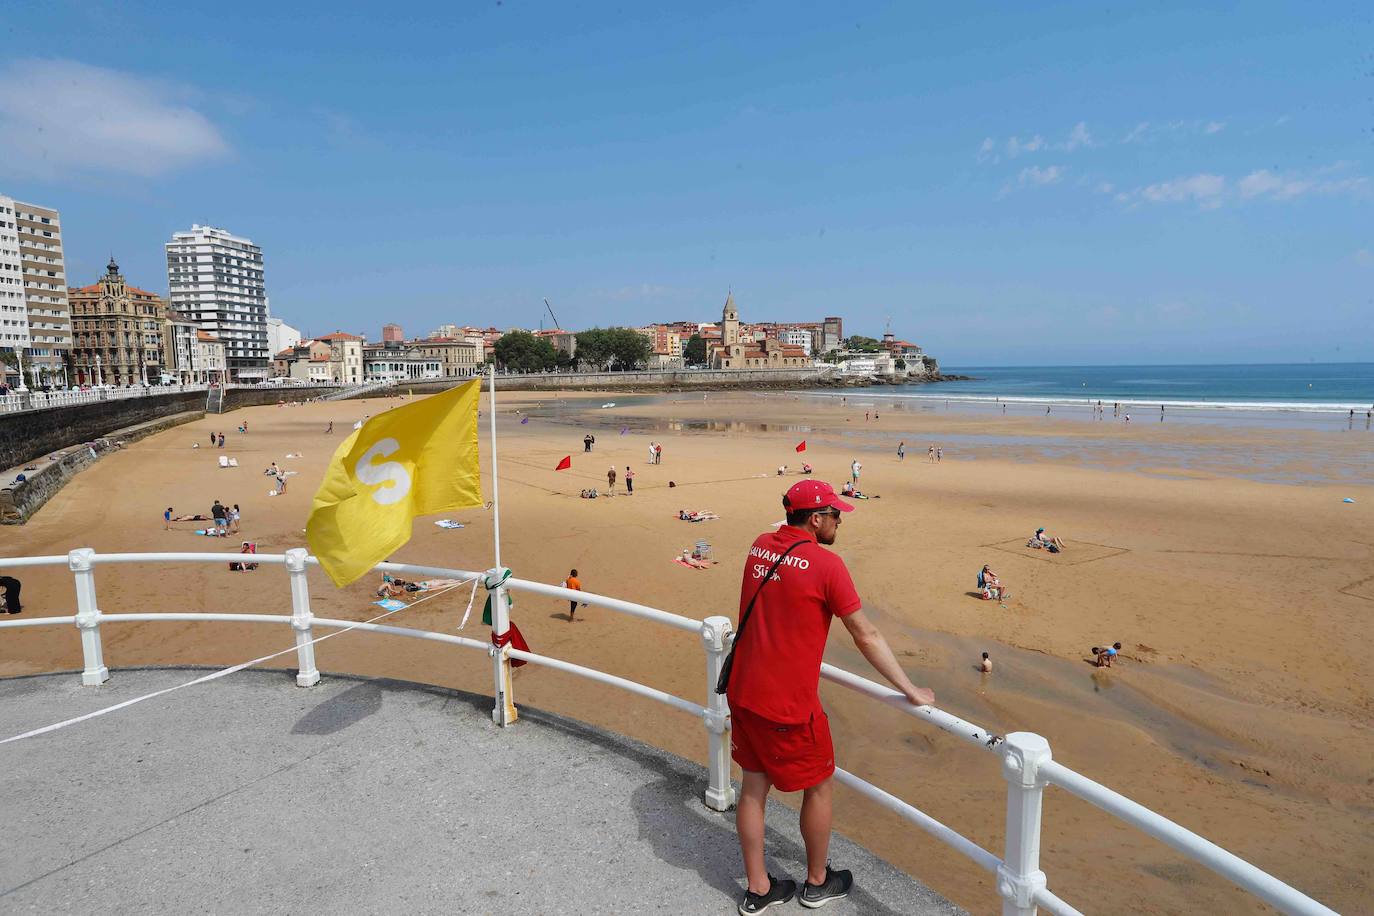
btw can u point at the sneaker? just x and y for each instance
(837, 885)
(779, 891)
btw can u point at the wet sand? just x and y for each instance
(1241, 707)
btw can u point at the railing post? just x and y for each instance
(503, 712)
(81, 563)
(720, 792)
(1019, 876)
(307, 675)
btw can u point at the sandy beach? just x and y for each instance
(1223, 559)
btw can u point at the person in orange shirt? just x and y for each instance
(575, 584)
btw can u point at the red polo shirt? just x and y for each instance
(778, 659)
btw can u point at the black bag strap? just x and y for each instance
(723, 682)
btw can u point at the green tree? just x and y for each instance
(694, 353)
(613, 348)
(862, 344)
(521, 351)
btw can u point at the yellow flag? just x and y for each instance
(409, 461)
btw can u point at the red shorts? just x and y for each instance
(794, 756)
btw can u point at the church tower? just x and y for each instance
(729, 323)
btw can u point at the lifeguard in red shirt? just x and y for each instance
(792, 588)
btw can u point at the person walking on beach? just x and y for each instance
(575, 584)
(854, 468)
(901, 450)
(587, 443)
(167, 519)
(658, 453)
(610, 481)
(234, 514)
(792, 587)
(653, 452)
(629, 481)
(330, 429)
(939, 454)
(220, 516)
(930, 453)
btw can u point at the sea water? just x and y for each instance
(1306, 387)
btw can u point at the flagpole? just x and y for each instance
(495, 479)
(503, 713)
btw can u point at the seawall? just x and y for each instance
(31, 434)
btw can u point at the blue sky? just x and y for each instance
(1028, 184)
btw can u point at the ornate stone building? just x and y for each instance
(737, 351)
(117, 332)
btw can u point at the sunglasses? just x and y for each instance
(832, 513)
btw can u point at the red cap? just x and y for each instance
(813, 494)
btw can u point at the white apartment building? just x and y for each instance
(14, 315)
(281, 336)
(34, 236)
(796, 337)
(215, 279)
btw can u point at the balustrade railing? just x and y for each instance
(1026, 760)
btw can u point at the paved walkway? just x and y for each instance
(251, 795)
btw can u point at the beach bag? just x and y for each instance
(723, 682)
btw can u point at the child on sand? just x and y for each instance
(610, 481)
(167, 519)
(575, 584)
(1106, 655)
(985, 665)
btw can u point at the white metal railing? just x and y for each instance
(40, 400)
(1027, 764)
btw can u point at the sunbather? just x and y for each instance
(990, 585)
(1048, 540)
(697, 515)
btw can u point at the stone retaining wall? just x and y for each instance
(32, 434)
(19, 502)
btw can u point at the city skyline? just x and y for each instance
(1033, 187)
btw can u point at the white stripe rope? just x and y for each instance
(234, 669)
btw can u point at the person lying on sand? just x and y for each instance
(848, 490)
(1106, 655)
(696, 515)
(1048, 540)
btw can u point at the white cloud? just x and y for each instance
(988, 151)
(1078, 137)
(1147, 131)
(1034, 175)
(1105, 187)
(1136, 133)
(1204, 189)
(1016, 146)
(1263, 183)
(61, 116)
(1210, 191)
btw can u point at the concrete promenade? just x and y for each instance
(251, 795)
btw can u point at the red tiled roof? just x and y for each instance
(339, 335)
(206, 337)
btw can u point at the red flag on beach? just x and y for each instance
(801, 446)
(565, 463)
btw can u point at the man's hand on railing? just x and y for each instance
(920, 696)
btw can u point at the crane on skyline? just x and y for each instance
(551, 314)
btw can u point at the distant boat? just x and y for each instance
(608, 404)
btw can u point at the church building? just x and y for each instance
(736, 351)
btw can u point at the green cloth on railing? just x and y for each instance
(490, 585)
